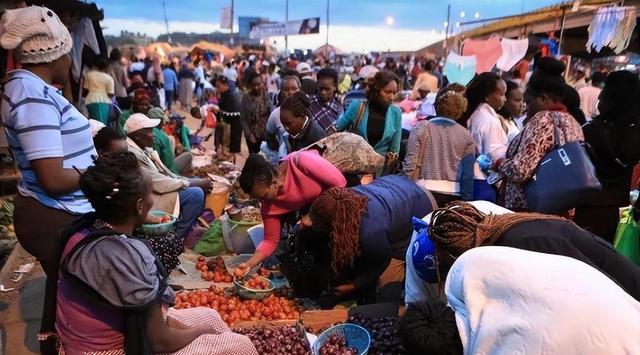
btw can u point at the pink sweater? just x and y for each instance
(307, 176)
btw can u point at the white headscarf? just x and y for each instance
(513, 301)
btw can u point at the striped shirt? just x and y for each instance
(40, 123)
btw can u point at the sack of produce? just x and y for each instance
(350, 153)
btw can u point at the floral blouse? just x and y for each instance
(529, 147)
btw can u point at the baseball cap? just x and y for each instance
(303, 68)
(139, 121)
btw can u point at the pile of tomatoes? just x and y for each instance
(213, 270)
(256, 283)
(233, 308)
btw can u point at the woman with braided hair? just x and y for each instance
(295, 115)
(113, 291)
(461, 226)
(290, 187)
(369, 230)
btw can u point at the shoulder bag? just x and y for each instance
(565, 178)
(355, 126)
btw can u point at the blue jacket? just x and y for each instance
(386, 228)
(390, 142)
(170, 80)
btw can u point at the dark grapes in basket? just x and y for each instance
(385, 339)
(336, 345)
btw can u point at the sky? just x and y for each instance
(355, 25)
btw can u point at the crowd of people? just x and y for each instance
(502, 277)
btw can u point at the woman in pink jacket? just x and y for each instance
(293, 185)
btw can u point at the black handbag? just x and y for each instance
(565, 178)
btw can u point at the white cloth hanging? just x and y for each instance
(612, 27)
(460, 69)
(513, 50)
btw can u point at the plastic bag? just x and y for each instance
(211, 243)
(627, 241)
(423, 252)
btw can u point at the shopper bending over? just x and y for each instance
(292, 186)
(461, 226)
(369, 228)
(508, 301)
(113, 289)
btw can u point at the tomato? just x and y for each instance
(201, 259)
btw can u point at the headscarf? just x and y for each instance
(513, 301)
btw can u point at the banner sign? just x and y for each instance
(225, 17)
(272, 29)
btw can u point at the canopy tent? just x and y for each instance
(217, 48)
(327, 48)
(161, 49)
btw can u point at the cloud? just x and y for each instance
(365, 38)
(347, 38)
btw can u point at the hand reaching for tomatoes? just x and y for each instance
(242, 270)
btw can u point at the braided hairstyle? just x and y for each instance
(113, 185)
(298, 104)
(341, 209)
(477, 92)
(256, 171)
(460, 226)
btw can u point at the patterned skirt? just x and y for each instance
(221, 340)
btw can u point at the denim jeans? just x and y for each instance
(191, 206)
(168, 100)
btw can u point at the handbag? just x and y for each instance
(565, 178)
(627, 241)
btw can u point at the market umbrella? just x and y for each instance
(204, 46)
(328, 48)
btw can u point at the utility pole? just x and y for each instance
(326, 43)
(166, 22)
(231, 30)
(286, 19)
(446, 34)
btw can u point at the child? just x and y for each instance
(206, 113)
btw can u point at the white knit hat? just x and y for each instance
(36, 33)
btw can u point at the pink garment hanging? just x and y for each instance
(512, 51)
(487, 52)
